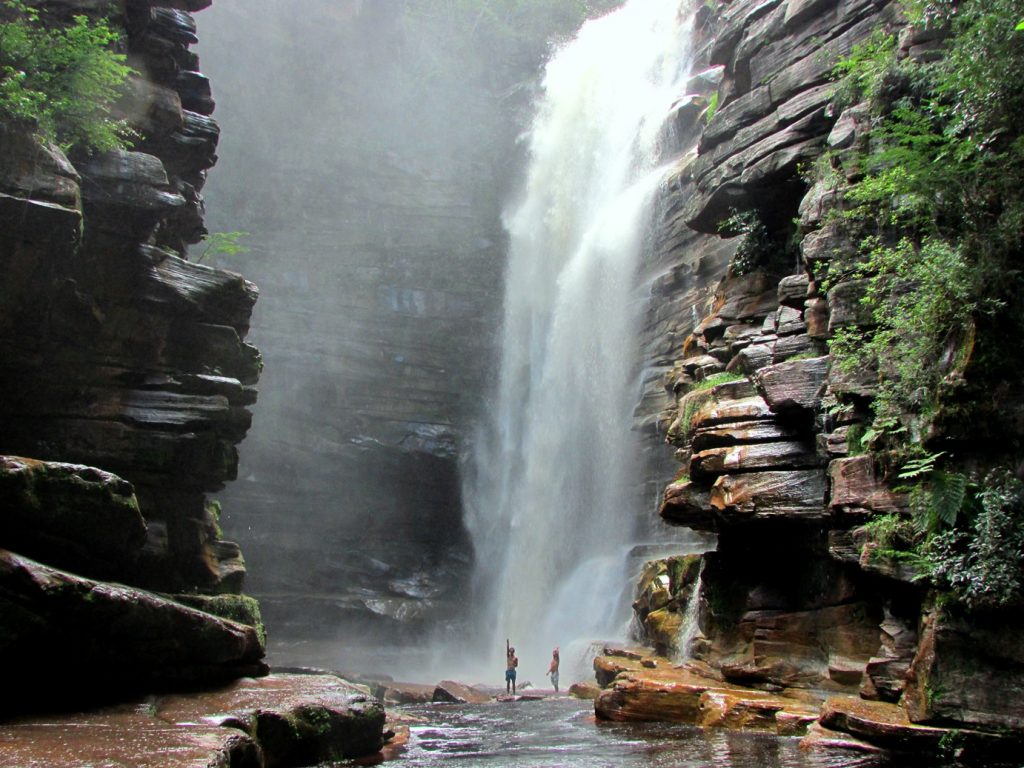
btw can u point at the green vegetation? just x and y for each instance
(222, 244)
(982, 562)
(715, 379)
(61, 81)
(935, 202)
(712, 107)
(756, 245)
(938, 211)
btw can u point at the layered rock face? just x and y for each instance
(794, 597)
(126, 380)
(384, 187)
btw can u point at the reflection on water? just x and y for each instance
(562, 733)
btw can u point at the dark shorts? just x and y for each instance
(510, 675)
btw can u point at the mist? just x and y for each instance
(367, 150)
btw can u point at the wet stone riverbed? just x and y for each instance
(563, 732)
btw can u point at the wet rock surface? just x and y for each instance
(97, 639)
(125, 386)
(282, 720)
(799, 593)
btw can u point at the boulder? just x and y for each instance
(406, 693)
(451, 692)
(32, 169)
(584, 691)
(858, 490)
(133, 183)
(687, 503)
(796, 385)
(751, 358)
(792, 290)
(968, 671)
(794, 495)
(85, 633)
(71, 516)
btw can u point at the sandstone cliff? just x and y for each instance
(795, 595)
(125, 384)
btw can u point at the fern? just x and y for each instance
(948, 492)
(917, 468)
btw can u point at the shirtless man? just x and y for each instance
(511, 662)
(553, 669)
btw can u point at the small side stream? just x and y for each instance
(563, 733)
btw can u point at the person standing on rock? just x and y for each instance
(511, 662)
(553, 669)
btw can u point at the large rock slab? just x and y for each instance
(678, 695)
(72, 516)
(857, 489)
(123, 739)
(88, 636)
(751, 458)
(793, 385)
(270, 722)
(968, 671)
(794, 495)
(741, 433)
(755, 711)
(886, 725)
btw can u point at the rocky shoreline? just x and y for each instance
(639, 685)
(267, 722)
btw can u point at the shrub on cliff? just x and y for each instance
(61, 80)
(940, 217)
(935, 202)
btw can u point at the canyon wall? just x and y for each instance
(797, 594)
(378, 326)
(377, 152)
(125, 386)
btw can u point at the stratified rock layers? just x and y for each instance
(377, 327)
(125, 384)
(795, 597)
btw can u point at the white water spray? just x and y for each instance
(689, 629)
(549, 498)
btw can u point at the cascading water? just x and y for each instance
(550, 496)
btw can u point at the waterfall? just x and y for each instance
(690, 627)
(549, 495)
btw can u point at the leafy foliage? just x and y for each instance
(712, 107)
(61, 80)
(756, 247)
(983, 565)
(937, 203)
(223, 244)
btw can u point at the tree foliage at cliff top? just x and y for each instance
(61, 80)
(939, 208)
